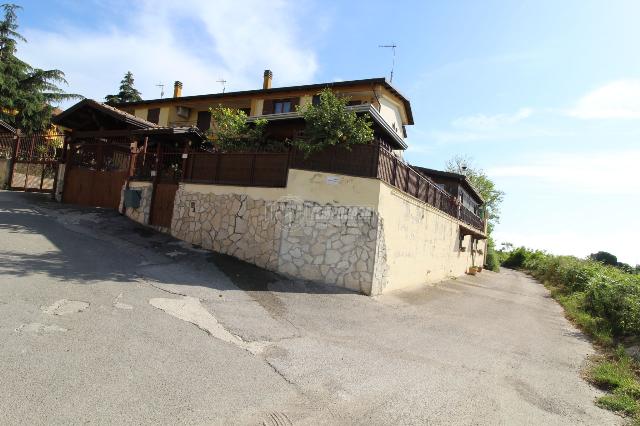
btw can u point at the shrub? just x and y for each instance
(516, 258)
(607, 301)
(492, 262)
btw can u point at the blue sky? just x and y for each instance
(543, 95)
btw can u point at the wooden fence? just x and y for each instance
(271, 170)
(242, 169)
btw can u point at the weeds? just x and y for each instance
(604, 302)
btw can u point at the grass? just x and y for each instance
(604, 302)
(614, 371)
(617, 374)
(573, 304)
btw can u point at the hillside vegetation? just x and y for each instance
(604, 301)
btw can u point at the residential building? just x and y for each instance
(360, 218)
(389, 109)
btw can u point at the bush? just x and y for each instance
(492, 262)
(609, 298)
(516, 258)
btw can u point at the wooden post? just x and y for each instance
(406, 182)
(156, 179)
(395, 168)
(185, 157)
(14, 157)
(376, 161)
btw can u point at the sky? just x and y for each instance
(543, 95)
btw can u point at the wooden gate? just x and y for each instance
(95, 175)
(164, 195)
(34, 165)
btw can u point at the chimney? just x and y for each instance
(177, 89)
(268, 76)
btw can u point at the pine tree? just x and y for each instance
(127, 93)
(26, 93)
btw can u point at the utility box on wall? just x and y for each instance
(132, 198)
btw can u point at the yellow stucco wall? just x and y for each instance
(421, 242)
(415, 243)
(141, 113)
(322, 188)
(164, 116)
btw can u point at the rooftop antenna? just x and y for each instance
(391, 46)
(223, 82)
(161, 86)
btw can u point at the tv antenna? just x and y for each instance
(391, 46)
(223, 82)
(161, 86)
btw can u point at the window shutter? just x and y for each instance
(153, 115)
(267, 107)
(204, 120)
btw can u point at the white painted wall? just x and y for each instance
(421, 242)
(390, 111)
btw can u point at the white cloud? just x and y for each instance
(194, 41)
(604, 172)
(490, 122)
(616, 100)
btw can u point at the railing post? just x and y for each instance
(395, 169)
(406, 181)
(185, 158)
(376, 161)
(14, 157)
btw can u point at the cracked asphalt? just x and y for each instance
(103, 321)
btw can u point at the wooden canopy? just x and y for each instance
(92, 115)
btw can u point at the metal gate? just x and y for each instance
(34, 165)
(95, 174)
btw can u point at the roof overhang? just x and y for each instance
(92, 115)
(275, 90)
(359, 109)
(469, 230)
(450, 175)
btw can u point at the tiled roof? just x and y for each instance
(108, 109)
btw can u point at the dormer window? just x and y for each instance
(282, 105)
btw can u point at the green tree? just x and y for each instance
(492, 196)
(127, 92)
(492, 199)
(232, 132)
(330, 123)
(26, 93)
(604, 257)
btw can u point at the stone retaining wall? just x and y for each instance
(334, 244)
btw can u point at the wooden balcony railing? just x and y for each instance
(269, 169)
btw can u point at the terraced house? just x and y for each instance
(360, 218)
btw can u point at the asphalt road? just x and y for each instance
(103, 321)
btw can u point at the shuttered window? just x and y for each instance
(153, 115)
(204, 120)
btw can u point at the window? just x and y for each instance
(352, 103)
(282, 106)
(204, 120)
(315, 101)
(153, 115)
